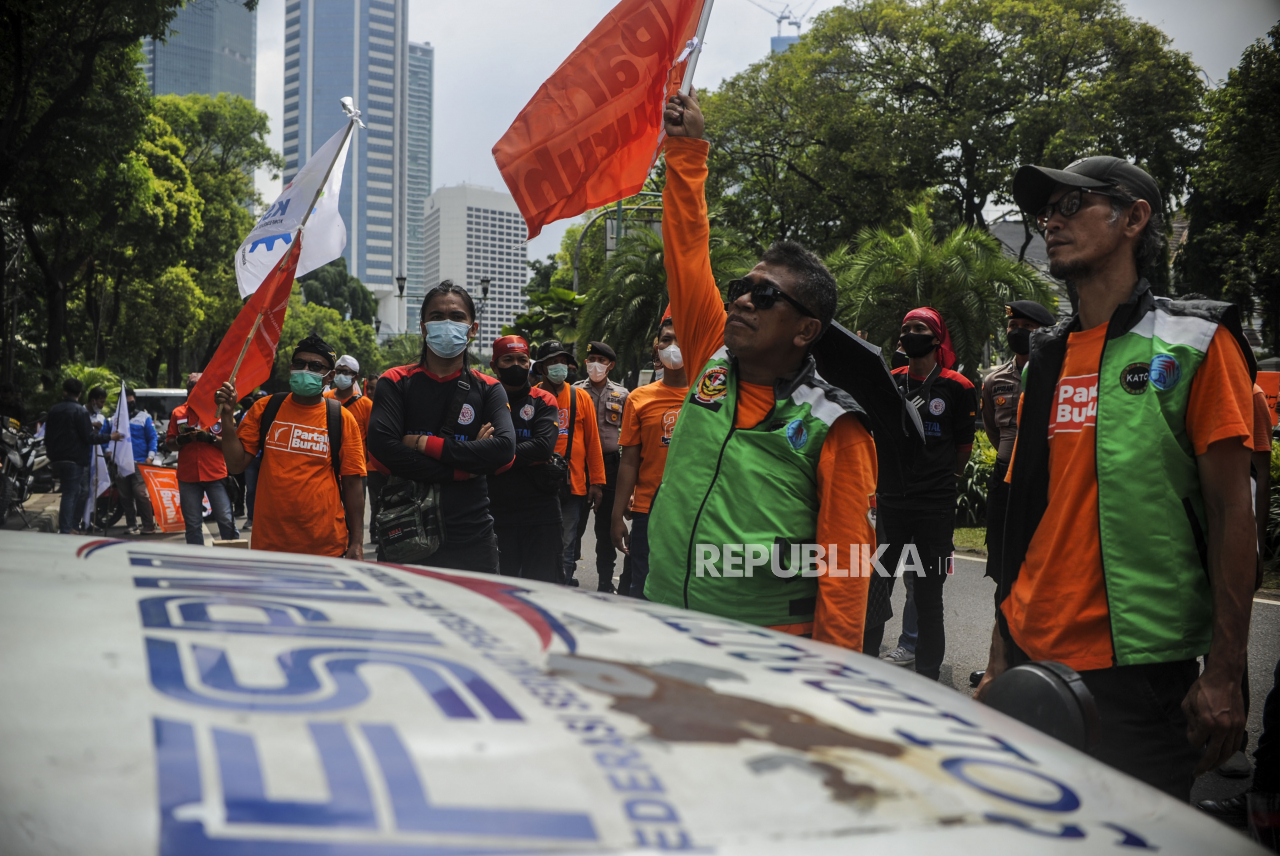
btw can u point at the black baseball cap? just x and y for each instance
(1031, 311)
(552, 348)
(313, 344)
(1033, 185)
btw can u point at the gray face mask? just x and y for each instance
(557, 373)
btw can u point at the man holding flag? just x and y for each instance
(137, 425)
(757, 413)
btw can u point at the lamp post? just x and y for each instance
(484, 299)
(618, 211)
(400, 281)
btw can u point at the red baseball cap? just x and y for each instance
(510, 345)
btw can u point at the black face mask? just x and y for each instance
(1019, 339)
(918, 344)
(573, 376)
(514, 375)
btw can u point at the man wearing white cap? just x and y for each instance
(346, 389)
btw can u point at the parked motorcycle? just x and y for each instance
(18, 454)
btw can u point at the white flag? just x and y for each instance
(122, 450)
(326, 235)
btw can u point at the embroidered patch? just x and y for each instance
(937, 406)
(1134, 378)
(797, 434)
(1000, 399)
(713, 385)
(467, 415)
(526, 412)
(1165, 372)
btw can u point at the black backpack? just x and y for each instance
(333, 421)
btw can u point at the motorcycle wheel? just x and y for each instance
(108, 511)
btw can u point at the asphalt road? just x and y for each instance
(967, 599)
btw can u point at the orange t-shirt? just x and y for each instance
(647, 421)
(587, 465)
(299, 503)
(360, 409)
(847, 466)
(1057, 609)
(1261, 421)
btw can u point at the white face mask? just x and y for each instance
(342, 381)
(597, 371)
(671, 357)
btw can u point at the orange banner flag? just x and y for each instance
(590, 133)
(272, 301)
(162, 487)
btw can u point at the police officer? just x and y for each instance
(1000, 393)
(609, 399)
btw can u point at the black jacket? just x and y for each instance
(411, 400)
(68, 434)
(516, 496)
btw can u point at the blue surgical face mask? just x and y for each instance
(557, 373)
(342, 381)
(447, 339)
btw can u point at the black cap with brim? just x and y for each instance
(1033, 185)
(313, 344)
(1031, 311)
(550, 349)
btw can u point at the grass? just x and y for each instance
(971, 539)
(1271, 580)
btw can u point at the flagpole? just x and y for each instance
(258, 321)
(698, 36)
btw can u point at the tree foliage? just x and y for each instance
(551, 314)
(883, 99)
(345, 336)
(332, 286)
(1232, 246)
(965, 276)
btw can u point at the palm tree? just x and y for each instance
(965, 276)
(624, 308)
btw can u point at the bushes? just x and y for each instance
(971, 499)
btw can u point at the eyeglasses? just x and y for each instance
(344, 371)
(310, 366)
(763, 296)
(1069, 204)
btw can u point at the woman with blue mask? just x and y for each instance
(438, 421)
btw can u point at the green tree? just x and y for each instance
(334, 287)
(226, 141)
(625, 307)
(1232, 245)
(885, 98)
(542, 273)
(551, 314)
(965, 276)
(345, 336)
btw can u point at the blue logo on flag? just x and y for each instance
(270, 241)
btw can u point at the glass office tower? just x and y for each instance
(211, 48)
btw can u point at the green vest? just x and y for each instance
(1151, 517)
(756, 488)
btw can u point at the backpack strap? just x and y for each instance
(573, 413)
(333, 421)
(268, 416)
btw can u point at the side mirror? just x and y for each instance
(1049, 697)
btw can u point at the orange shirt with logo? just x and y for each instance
(299, 502)
(587, 465)
(647, 421)
(1057, 609)
(360, 408)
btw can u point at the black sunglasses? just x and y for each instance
(310, 365)
(763, 296)
(1069, 204)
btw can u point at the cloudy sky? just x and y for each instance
(491, 56)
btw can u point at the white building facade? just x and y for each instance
(472, 232)
(418, 186)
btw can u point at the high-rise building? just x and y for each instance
(475, 232)
(335, 48)
(211, 48)
(421, 71)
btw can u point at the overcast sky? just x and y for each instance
(491, 56)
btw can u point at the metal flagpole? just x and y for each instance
(698, 37)
(342, 149)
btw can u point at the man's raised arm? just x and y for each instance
(697, 309)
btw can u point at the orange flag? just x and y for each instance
(590, 133)
(272, 301)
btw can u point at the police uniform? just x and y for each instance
(610, 398)
(1001, 392)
